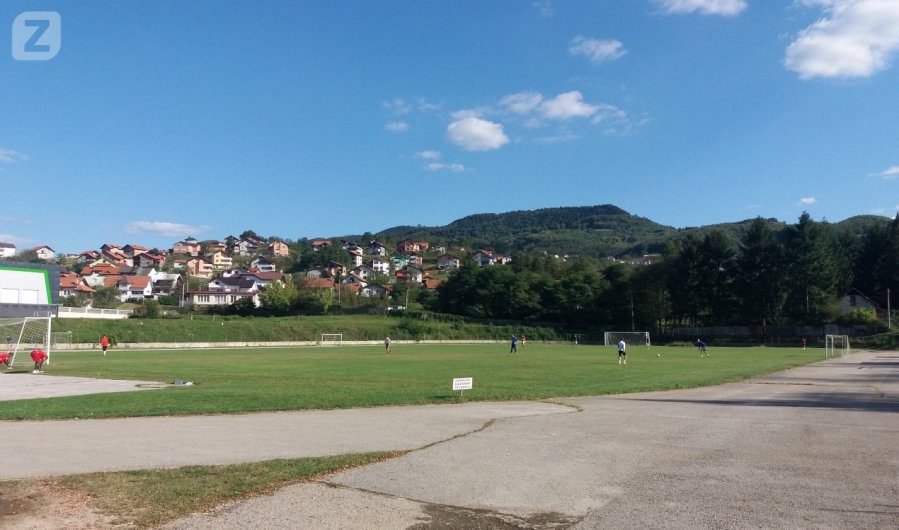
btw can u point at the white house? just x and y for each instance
(213, 298)
(376, 249)
(43, 252)
(380, 265)
(352, 279)
(7, 250)
(263, 264)
(484, 258)
(448, 262)
(373, 291)
(363, 271)
(356, 257)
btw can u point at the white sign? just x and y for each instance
(462, 383)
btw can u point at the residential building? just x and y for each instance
(484, 258)
(131, 250)
(335, 269)
(211, 247)
(356, 257)
(199, 268)
(264, 279)
(71, 284)
(320, 244)
(363, 271)
(316, 273)
(318, 283)
(236, 284)
(408, 246)
(7, 250)
(189, 246)
(373, 290)
(148, 260)
(213, 298)
(380, 265)
(448, 262)
(399, 261)
(263, 264)
(354, 279)
(221, 261)
(376, 249)
(43, 252)
(279, 248)
(244, 247)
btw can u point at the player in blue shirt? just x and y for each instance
(702, 351)
(514, 344)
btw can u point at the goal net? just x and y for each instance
(22, 335)
(836, 345)
(611, 338)
(331, 339)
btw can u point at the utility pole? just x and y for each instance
(889, 313)
(632, 313)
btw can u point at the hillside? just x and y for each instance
(597, 231)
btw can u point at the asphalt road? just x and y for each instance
(813, 447)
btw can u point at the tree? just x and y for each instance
(107, 298)
(812, 273)
(760, 281)
(716, 268)
(278, 299)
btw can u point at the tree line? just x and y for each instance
(767, 277)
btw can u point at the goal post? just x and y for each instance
(836, 346)
(331, 339)
(26, 334)
(610, 338)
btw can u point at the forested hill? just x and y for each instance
(597, 231)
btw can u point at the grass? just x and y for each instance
(247, 380)
(306, 328)
(151, 497)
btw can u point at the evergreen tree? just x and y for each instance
(760, 282)
(812, 271)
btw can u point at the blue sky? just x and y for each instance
(161, 119)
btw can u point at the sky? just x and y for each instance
(159, 120)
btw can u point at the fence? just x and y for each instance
(765, 333)
(87, 312)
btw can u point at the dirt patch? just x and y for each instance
(443, 516)
(46, 505)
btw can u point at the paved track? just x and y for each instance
(813, 447)
(22, 384)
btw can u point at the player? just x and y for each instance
(622, 351)
(387, 347)
(6, 358)
(104, 344)
(575, 340)
(524, 342)
(803, 341)
(9, 343)
(514, 348)
(38, 356)
(702, 348)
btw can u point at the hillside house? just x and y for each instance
(73, 285)
(415, 259)
(363, 271)
(206, 298)
(89, 255)
(408, 246)
(221, 261)
(263, 264)
(399, 261)
(166, 284)
(43, 252)
(353, 279)
(316, 273)
(244, 247)
(380, 265)
(106, 247)
(376, 249)
(335, 269)
(264, 279)
(233, 284)
(318, 283)
(448, 262)
(319, 244)
(7, 250)
(211, 247)
(279, 248)
(373, 290)
(131, 250)
(484, 258)
(356, 257)
(148, 260)
(854, 299)
(199, 268)
(189, 247)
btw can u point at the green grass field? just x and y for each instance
(246, 380)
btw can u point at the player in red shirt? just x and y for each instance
(104, 343)
(38, 356)
(803, 343)
(6, 358)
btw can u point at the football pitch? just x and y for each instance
(273, 379)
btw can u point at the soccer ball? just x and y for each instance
(658, 355)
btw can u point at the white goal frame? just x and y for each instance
(26, 340)
(611, 338)
(331, 339)
(836, 346)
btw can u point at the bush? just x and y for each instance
(168, 299)
(858, 316)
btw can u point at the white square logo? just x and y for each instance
(36, 36)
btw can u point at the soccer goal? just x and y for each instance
(22, 335)
(331, 339)
(611, 338)
(836, 345)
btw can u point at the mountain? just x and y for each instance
(598, 231)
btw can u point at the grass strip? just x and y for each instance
(149, 498)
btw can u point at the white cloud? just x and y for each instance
(522, 102)
(165, 228)
(429, 155)
(565, 106)
(426, 106)
(8, 156)
(397, 106)
(889, 173)
(397, 126)
(544, 7)
(856, 38)
(556, 138)
(807, 200)
(437, 166)
(16, 240)
(477, 112)
(726, 8)
(598, 51)
(476, 134)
